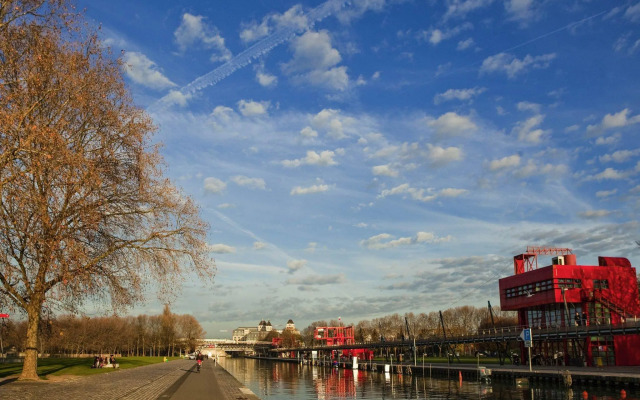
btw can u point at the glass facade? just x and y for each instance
(552, 315)
(543, 286)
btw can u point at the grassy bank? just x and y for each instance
(77, 366)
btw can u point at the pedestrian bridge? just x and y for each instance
(221, 347)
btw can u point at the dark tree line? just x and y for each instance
(167, 334)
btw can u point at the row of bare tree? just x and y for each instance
(151, 335)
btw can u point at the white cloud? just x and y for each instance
(633, 13)
(214, 185)
(323, 159)
(295, 265)
(619, 156)
(253, 108)
(460, 8)
(439, 156)
(571, 128)
(451, 124)
(266, 80)
(145, 72)
(385, 241)
(508, 162)
(358, 8)
(299, 190)
(606, 193)
(458, 94)
(176, 97)
(193, 30)
(594, 214)
(528, 106)
(435, 36)
(528, 130)
(531, 169)
(313, 280)
(512, 66)
(253, 183)
(333, 78)
(330, 121)
(521, 10)
(385, 170)
(315, 61)
(308, 132)
(611, 121)
(223, 113)
(292, 18)
(608, 174)
(609, 140)
(452, 192)
(465, 44)
(221, 248)
(421, 194)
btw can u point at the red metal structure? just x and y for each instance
(566, 294)
(338, 336)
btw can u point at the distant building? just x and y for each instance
(248, 334)
(240, 333)
(291, 327)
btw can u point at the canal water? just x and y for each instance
(273, 380)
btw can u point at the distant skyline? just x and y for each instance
(363, 158)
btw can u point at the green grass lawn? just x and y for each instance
(78, 366)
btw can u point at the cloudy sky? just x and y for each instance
(356, 159)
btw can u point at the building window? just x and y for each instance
(531, 288)
(600, 284)
(552, 316)
(568, 283)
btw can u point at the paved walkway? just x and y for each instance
(172, 380)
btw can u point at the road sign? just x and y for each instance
(526, 336)
(4, 315)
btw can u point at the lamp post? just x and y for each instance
(415, 356)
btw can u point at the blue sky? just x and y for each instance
(357, 159)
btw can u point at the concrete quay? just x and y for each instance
(175, 380)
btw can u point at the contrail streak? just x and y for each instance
(258, 49)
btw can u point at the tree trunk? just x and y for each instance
(30, 366)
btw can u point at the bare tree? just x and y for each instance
(85, 211)
(189, 331)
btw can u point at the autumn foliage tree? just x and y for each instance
(85, 212)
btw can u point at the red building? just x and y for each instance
(565, 294)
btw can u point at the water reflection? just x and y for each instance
(286, 381)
